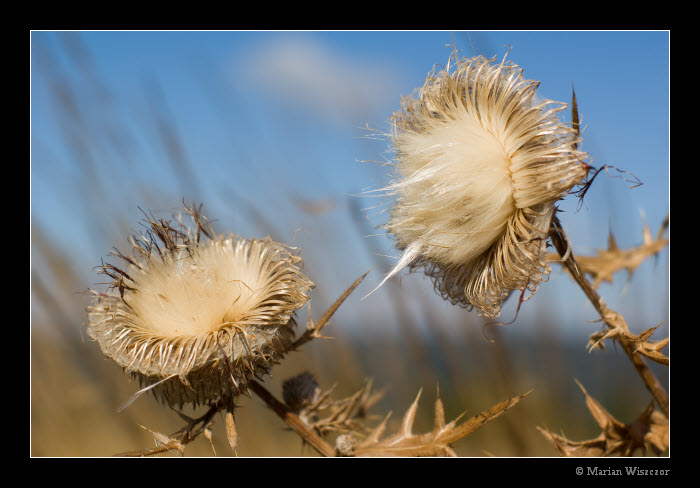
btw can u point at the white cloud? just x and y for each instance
(305, 73)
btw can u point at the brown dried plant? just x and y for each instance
(434, 443)
(649, 432)
(321, 412)
(607, 262)
(478, 245)
(649, 349)
(194, 315)
(479, 168)
(602, 268)
(202, 424)
(348, 416)
(161, 347)
(618, 329)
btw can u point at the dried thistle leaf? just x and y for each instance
(648, 431)
(649, 349)
(326, 415)
(657, 435)
(604, 419)
(164, 443)
(439, 414)
(410, 417)
(567, 448)
(484, 417)
(435, 443)
(606, 263)
(161, 439)
(655, 355)
(596, 340)
(378, 431)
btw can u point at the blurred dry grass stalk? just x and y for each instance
(83, 389)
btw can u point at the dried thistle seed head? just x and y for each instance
(300, 391)
(480, 165)
(196, 315)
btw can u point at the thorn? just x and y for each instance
(574, 115)
(612, 243)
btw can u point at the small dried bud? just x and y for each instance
(480, 165)
(300, 391)
(344, 445)
(195, 319)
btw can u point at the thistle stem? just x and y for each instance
(611, 318)
(314, 330)
(291, 419)
(188, 433)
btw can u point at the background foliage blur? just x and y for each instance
(269, 131)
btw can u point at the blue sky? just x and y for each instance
(270, 120)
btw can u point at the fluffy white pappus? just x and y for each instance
(195, 291)
(479, 166)
(194, 318)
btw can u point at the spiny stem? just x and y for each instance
(188, 434)
(563, 247)
(315, 329)
(291, 419)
